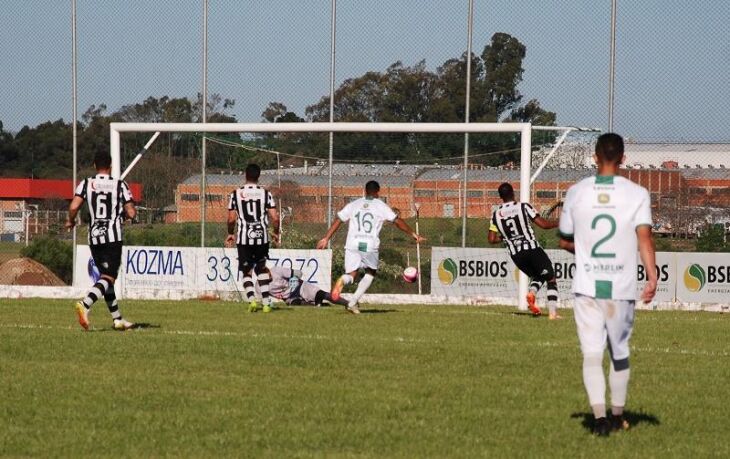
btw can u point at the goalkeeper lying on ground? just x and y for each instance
(288, 286)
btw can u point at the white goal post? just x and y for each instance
(524, 129)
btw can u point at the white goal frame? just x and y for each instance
(524, 129)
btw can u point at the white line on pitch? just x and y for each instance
(666, 350)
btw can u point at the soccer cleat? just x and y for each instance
(354, 309)
(253, 306)
(83, 314)
(554, 316)
(266, 308)
(531, 304)
(602, 427)
(618, 423)
(337, 289)
(121, 324)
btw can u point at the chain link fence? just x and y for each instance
(397, 61)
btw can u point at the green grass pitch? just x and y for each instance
(208, 379)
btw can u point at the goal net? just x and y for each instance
(313, 170)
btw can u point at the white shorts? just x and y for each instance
(354, 260)
(599, 320)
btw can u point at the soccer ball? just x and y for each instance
(410, 274)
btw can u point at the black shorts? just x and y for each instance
(252, 255)
(535, 263)
(107, 258)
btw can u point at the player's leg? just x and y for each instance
(542, 266)
(263, 275)
(245, 266)
(352, 264)
(83, 307)
(619, 326)
(590, 323)
(524, 263)
(113, 260)
(370, 263)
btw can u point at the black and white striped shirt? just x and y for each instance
(251, 203)
(106, 197)
(512, 220)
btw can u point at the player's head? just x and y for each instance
(610, 149)
(506, 192)
(253, 171)
(102, 160)
(372, 188)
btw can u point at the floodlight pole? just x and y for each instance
(74, 116)
(203, 193)
(470, 27)
(612, 67)
(333, 30)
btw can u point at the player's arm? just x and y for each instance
(493, 235)
(275, 219)
(130, 210)
(544, 223)
(322, 243)
(566, 226)
(231, 226)
(647, 251)
(403, 226)
(73, 211)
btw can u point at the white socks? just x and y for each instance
(618, 381)
(362, 287)
(595, 383)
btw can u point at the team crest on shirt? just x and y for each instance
(99, 229)
(604, 198)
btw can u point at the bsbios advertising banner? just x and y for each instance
(490, 273)
(189, 272)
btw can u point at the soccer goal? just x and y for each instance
(419, 165)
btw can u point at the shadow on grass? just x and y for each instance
(136, 326)
(525, 314)
(377, 311)
(632, 417)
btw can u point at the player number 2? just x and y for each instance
(594, 251)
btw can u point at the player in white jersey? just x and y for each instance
(288, 285)
(251, 208)
(366, 217)
(603, 221)
(110, 202)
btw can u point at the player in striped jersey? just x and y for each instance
(251, 208)
(511, 223)
(366, 217)
(603, 221)
(110, 202)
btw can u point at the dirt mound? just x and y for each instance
(24, 271)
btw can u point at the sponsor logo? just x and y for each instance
(694, 278)
(93, 270)
(155, 262)
(448, 271)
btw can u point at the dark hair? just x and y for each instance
(371, 187)
(610, 147)
(253, 171)
(506, 192)
(102, 160)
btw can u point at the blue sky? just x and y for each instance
(673, 63)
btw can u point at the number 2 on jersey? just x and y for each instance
(611, 232)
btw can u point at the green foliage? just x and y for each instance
(712, 239)
(54, 254)
(210, 380)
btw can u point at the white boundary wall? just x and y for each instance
(688, 281)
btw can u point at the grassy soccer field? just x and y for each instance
(208, 379)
